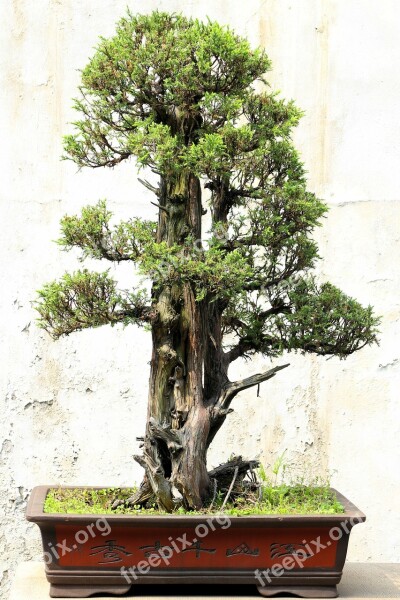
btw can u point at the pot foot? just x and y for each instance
(85, 591)
(303, 591)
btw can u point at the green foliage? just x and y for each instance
(155, 68)
(154, 146)
(301, 316)
(324, 320)
(213, 273)
(250, 156)
(180, 96)
(84, 299)
(91, 232)
(273, 233)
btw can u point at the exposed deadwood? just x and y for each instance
(221, 412)
(143, 495)
(164, 432)
(152, 188)
(230, 488)
(224, 473)
(179, 412)
(215, 488)
(178, 422)
(233, 388)
(160, 207)
(160, 485)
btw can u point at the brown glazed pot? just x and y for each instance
(297, 554)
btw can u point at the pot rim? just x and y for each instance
(35, 513)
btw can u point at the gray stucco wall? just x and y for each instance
(339, 60)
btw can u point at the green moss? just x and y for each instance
(81, 501)
(279, 499)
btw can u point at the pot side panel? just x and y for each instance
(200, 547)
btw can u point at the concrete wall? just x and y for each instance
(339, 60)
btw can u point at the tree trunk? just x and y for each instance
(178, 418)
(189, 389)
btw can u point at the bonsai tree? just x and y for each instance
(231, 254)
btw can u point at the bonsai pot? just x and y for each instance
(297, 554)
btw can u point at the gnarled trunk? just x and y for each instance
(178, 417)
(189, 390)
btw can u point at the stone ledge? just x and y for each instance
(360, 580)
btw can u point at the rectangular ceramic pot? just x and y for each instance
(89, 554)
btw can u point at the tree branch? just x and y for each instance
(91, 232)
(160, 207)
(245, 347)
(87, 299)
(233, 388)
(147, 185)
(237, 351)
(247, 344)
